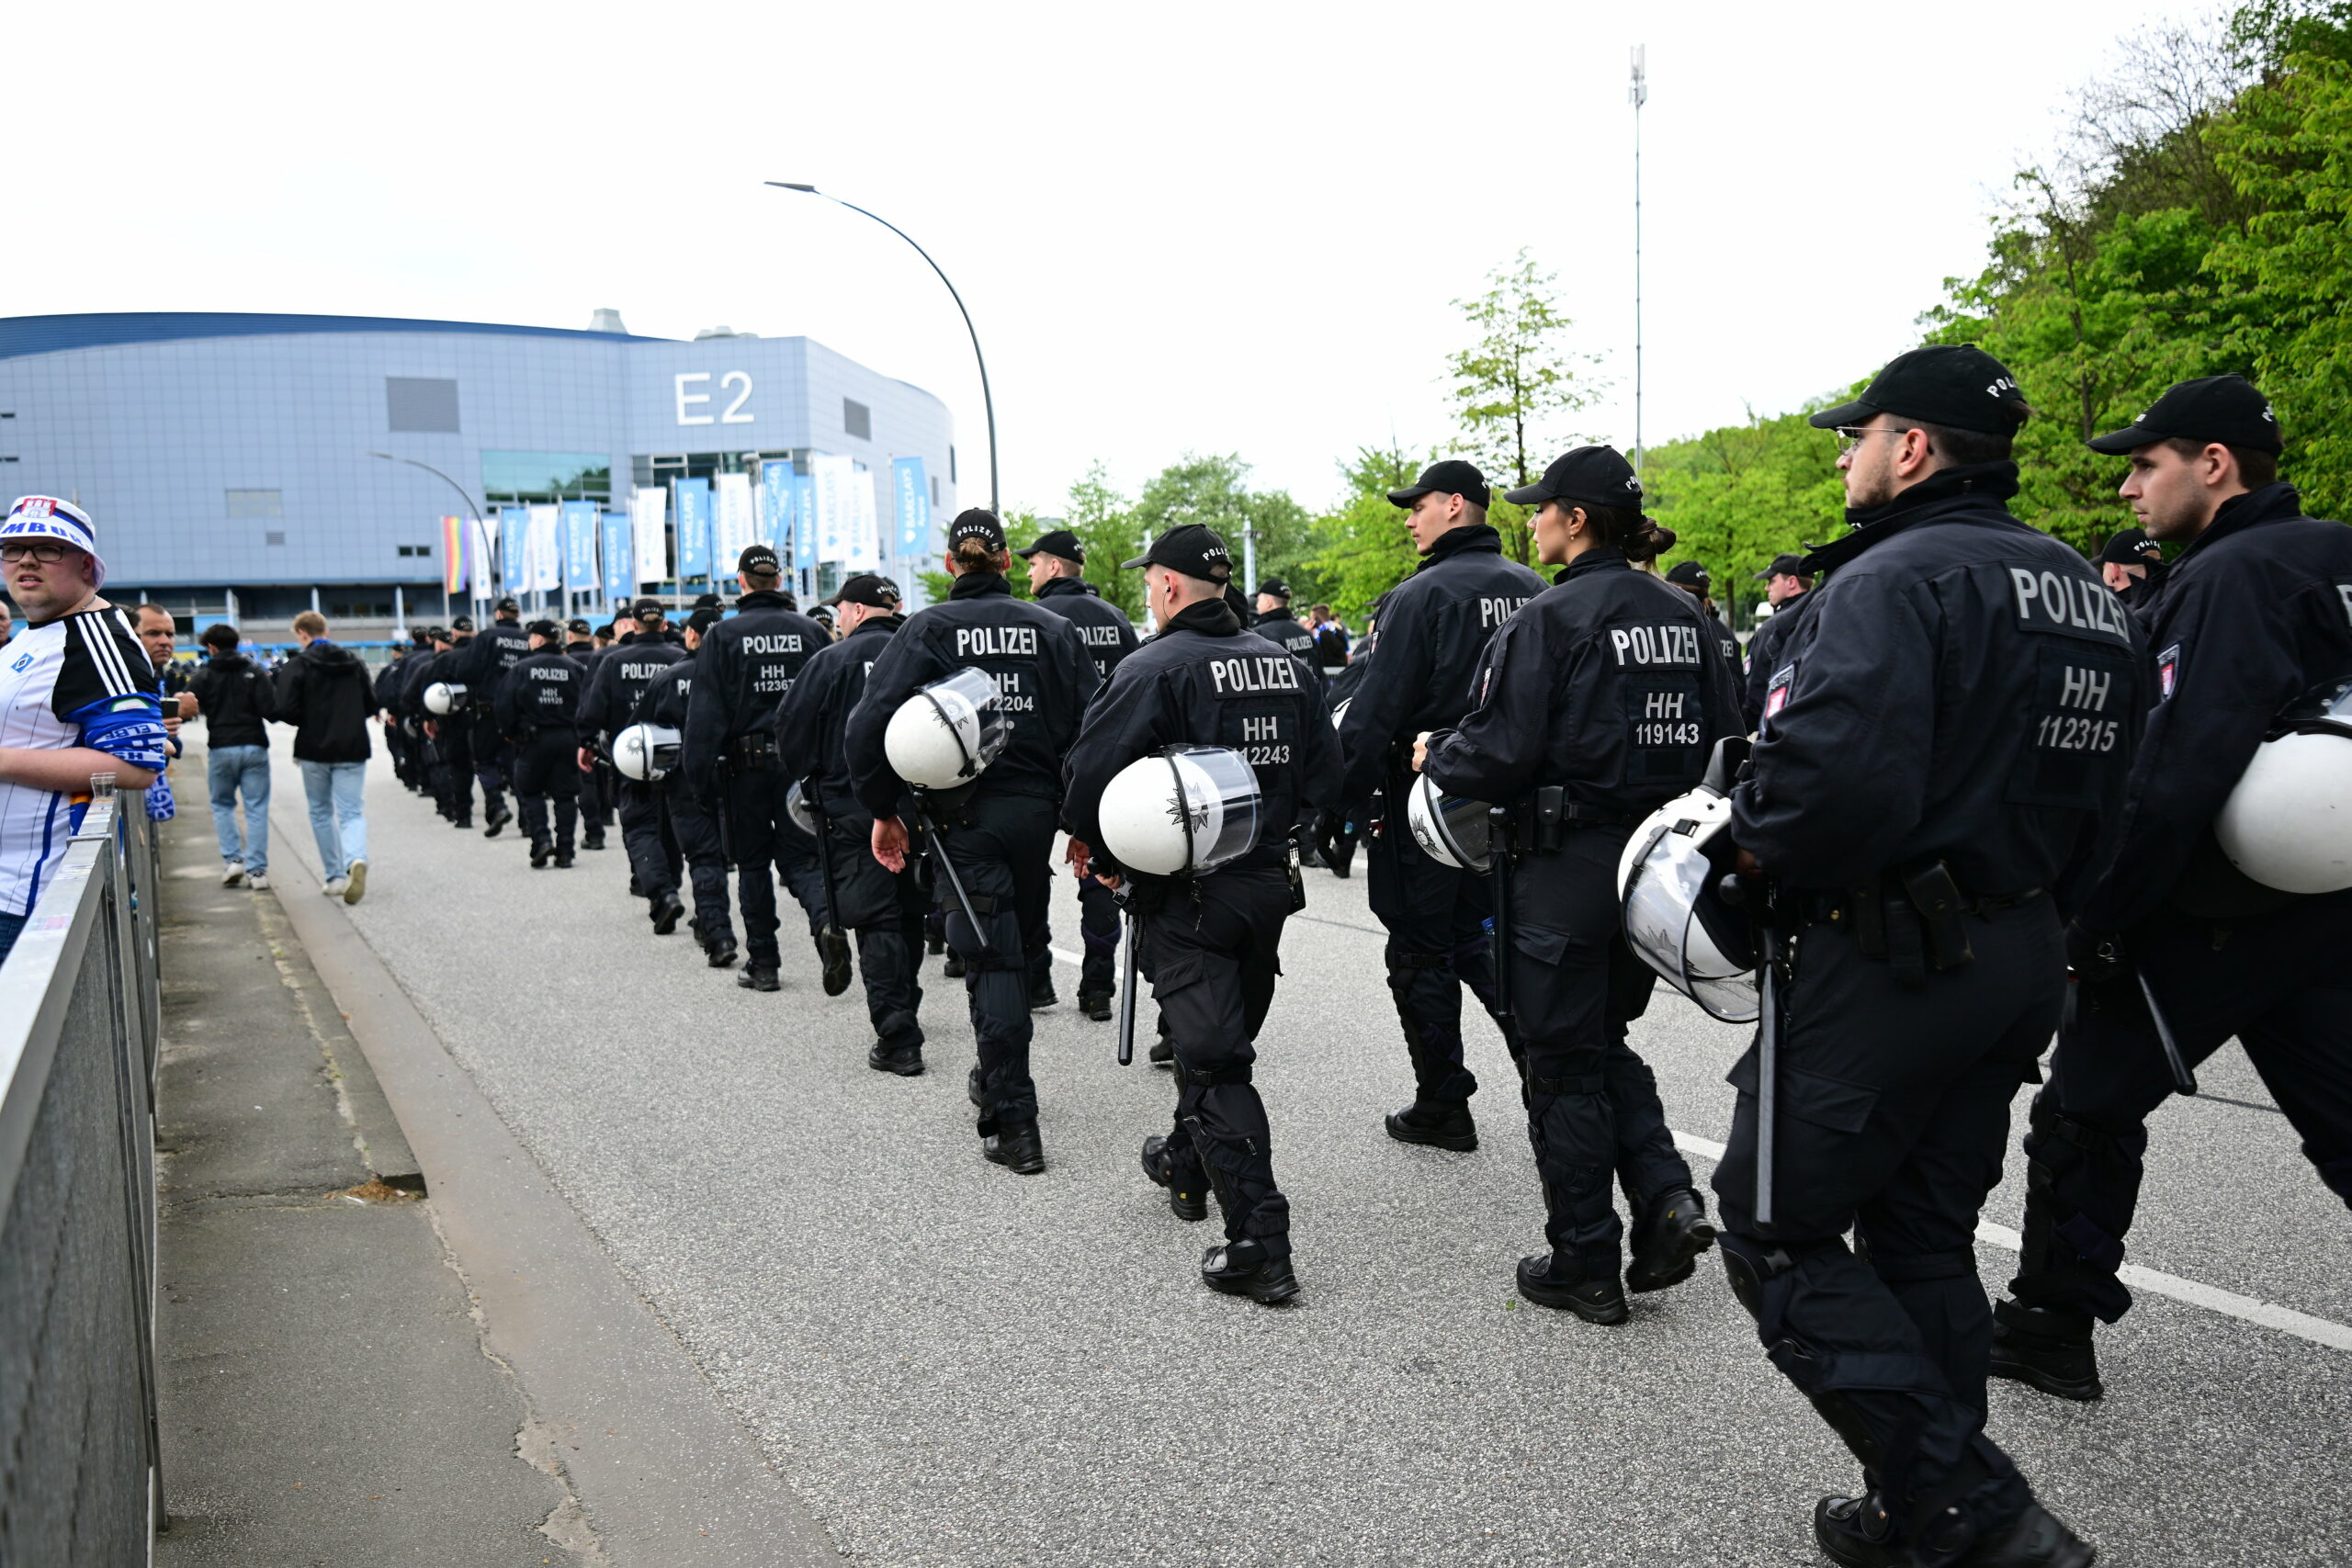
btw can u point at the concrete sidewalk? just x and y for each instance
(326, 1393)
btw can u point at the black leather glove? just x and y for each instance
(2095, 957)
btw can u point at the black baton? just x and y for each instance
(1127, 992)
(937, 849)
(1499, 858)
(2182, 1078)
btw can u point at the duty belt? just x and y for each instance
(1908, 916)
(1542, 822)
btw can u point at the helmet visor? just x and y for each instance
(1451, 829)
(1216, 791)
(967, 704)
(1671, 885)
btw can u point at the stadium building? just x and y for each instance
(254, 466)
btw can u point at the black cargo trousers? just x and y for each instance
(1210, 947)
(1437, 920)
(885, 910)
(545, 767)
(1894, 1117)
(998, 842)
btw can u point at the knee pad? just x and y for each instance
(1213, 1075)
(1905, 1269)
(1752, 1265)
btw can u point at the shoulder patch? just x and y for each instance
(2168, 673)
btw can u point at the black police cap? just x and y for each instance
(703, 618)
(871, 590)
(1592, 476)
(2226, 409)
(758, 560)
(2129, 546)
(1277, 588)
(710, 602)
(1193, 548)
(1453, 476)
(546, 628)
(977, 523)
(1688, 574)
(1782, 566)
(1955, 385)
(462, 624)
(649, 609)
(506, 604)
(1060, 542)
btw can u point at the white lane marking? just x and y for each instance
(2229, 1303)
(1072, 959)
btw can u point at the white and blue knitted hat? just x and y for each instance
(46, 517)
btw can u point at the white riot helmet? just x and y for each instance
(645, 752)
(443, 698)
(948, 732)
(796, 806)
(2287, 823)
(1185, 810)
(1451, 829)
(1674, 918)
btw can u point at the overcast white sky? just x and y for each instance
(1205, 227)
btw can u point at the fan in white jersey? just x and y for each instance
(77, 697)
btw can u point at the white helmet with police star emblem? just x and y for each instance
(1675, 921)
(1451, 829)
(948, 732)
(645, 752)
(445, 697)
(1185, 810)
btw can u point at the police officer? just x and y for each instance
(1058, 580)
(1432, 627)
(388, 707)
(884, 907)
(1786, 583)
(1209, 943)
(597, 795)
(747, 664)
(1596, 704)
(1694, 580)
(1274, 622)
(500, 646)
(685, 822)
(2132, 565)
(538, 718)
(1954, 718)
(616, 683)
(450, 734)
(999, 834)
(2256, 612)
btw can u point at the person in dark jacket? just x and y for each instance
(1786, 583)
(884, 907)
(1938, 764)
(2256, 613)
(2132, 565)
(1432, 627)
(685, 823)
(483, 665)
(325, 695)
(1058, 580)
(1694, 580)
(389, 682)
(235, 699)
(1000, 830)
(1594, 705)
(538, 719)
(450, 767)
(599, 794)
(617, 678)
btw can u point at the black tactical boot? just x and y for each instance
(493, 819)
(1016, 1146)
(563, 859)
(1163, 1053)
(1440, 1124)
(1041, 989)
(904, 1060)
(937, 946)
(759, 977)
(1857, 1532)
(2048, 1348)
(1186, 1202)
(1096, 1005)
(1599, 1301)
(2032, 1539)
(542, 851)
(666, 913)
(1242, 1269)
(972, 1088)
(832, 954)
(719, 955)
(953, 967)
(1671, 1233)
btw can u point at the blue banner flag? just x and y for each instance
(619, 559)
(804, 522)
(777, 519)
(514, 545)
(580, 546)
(694, 528)
(914, 506)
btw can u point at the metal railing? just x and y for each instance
(81, 1473)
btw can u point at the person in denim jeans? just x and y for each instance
(326, 693)
(235, 699)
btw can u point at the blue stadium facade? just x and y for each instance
(230, 454)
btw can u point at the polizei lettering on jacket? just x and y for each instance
(772, 642)
(1493, 611)
(1655, 645)
(550, 672)
(641, 672)
(1099, 637)
(1232, 677)
(2050, 603)
(996, 642)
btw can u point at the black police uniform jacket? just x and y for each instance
(544, 691)
(1205, 682)
(494, 650)
(1432, 627)
(1764, 661)
(1609, 684)
(1277, 628)
(1728, 641)
(618, 676)
(388, 684)
(1108, 635)
(439, 668)
(749, 661)
(1043, 675)
(808, 727)
(1961, 688)
(2252, 615)
(667, 696)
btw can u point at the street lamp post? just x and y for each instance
(988, 399)
(481, 530)
(1639, 94)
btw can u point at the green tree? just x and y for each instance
(1214, 490)
(1361, 546)
(1105, 524)
(1513, 386)
(1738, 496)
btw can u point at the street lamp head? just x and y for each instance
(788, 185)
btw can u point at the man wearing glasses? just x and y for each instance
(1951, 723)
(78, 696)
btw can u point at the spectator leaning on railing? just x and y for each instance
(324, 692)
(78, 693)
(157, 631)
(235, 698)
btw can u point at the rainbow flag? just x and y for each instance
(456, 552)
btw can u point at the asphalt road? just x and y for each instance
(955, 1365)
